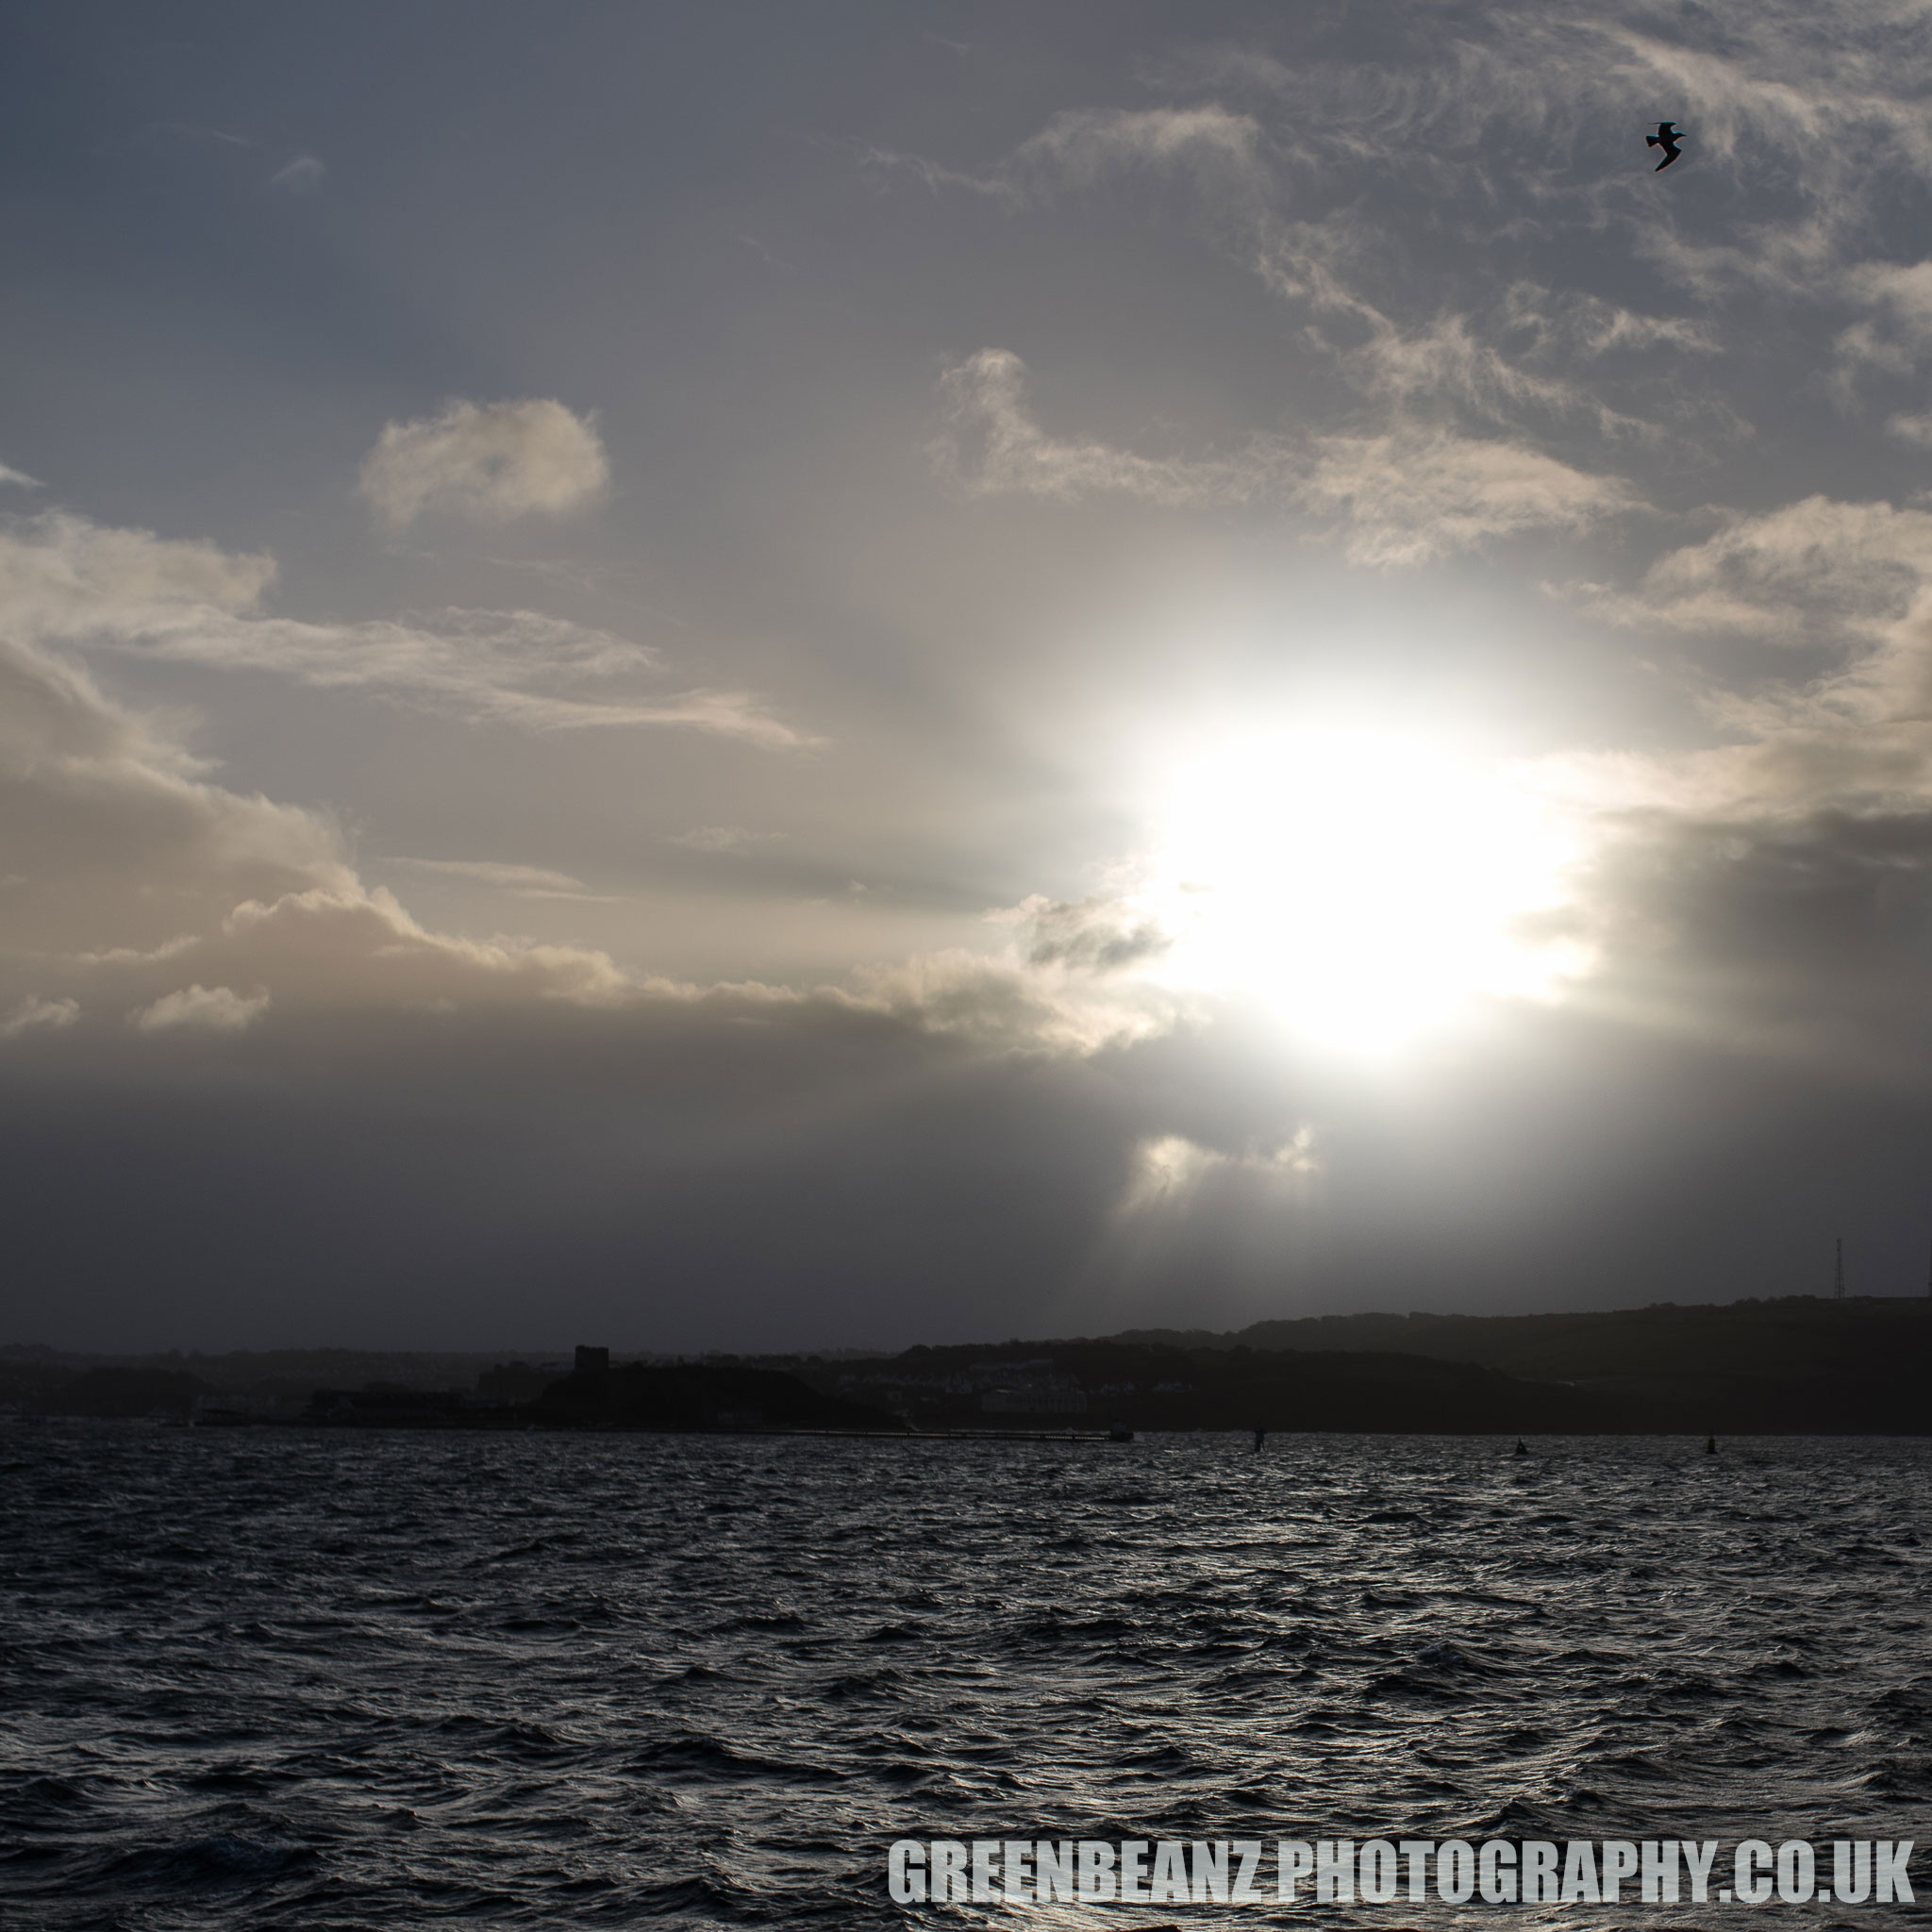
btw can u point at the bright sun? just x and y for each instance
(1365, 887)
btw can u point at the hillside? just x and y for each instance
(1861, 1361)
(1801, 1365)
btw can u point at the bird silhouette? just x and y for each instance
(1666, 138)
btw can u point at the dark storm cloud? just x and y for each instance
(1807, 937)
(720, 1175)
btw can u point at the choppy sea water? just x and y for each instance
(374, 1680)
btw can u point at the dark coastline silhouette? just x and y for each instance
(1803, 1365)
(692, 1396)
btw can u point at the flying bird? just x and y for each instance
(1666, 138)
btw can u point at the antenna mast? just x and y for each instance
(1838, 1278)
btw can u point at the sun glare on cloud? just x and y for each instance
(1367, 888)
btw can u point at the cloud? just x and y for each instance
(515, 879)
(1010, 1005)
(1773, 890)
(139, 885)
(18, 479)
(138, 874)
(191, 133)
(33, 1013)
(1810, 568)
(1573, 322)
(1821, 100)
(200, 1008)
(1847, 742)
(139, 880)
(64, 578)
(1488, 162)
(992, 446)
(509, 667)
(1189, 1204)
(485, 462)
(1220, 153)
(735, 840)
(1892, 336)
(1849, 584)
(1216, 149)
(1416, 493)
(1394, 237)
(1170, 1167)
(1095, 935)
(357, 947)
(115, 833)
(1446, 361)
(1729, 910)
(1406, 496)
(1246, 174)
(303, 174)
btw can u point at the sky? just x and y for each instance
(760, 676)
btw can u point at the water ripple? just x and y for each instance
(334, 1680)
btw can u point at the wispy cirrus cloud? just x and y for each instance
(489, 872)
(1405, 496)
(519, 668)
(1081, 148)
(1221, 152)
(519, 881)
(1473, 412)
(300, 174)
(1506, 155)
(1417, 492)
(992, 446)
(738, 842)
(64, 578)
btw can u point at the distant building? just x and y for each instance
(591, 1360)
(1034, 1402)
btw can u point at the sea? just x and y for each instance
(284, 1678)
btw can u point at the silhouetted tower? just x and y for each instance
(1838, 1272)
